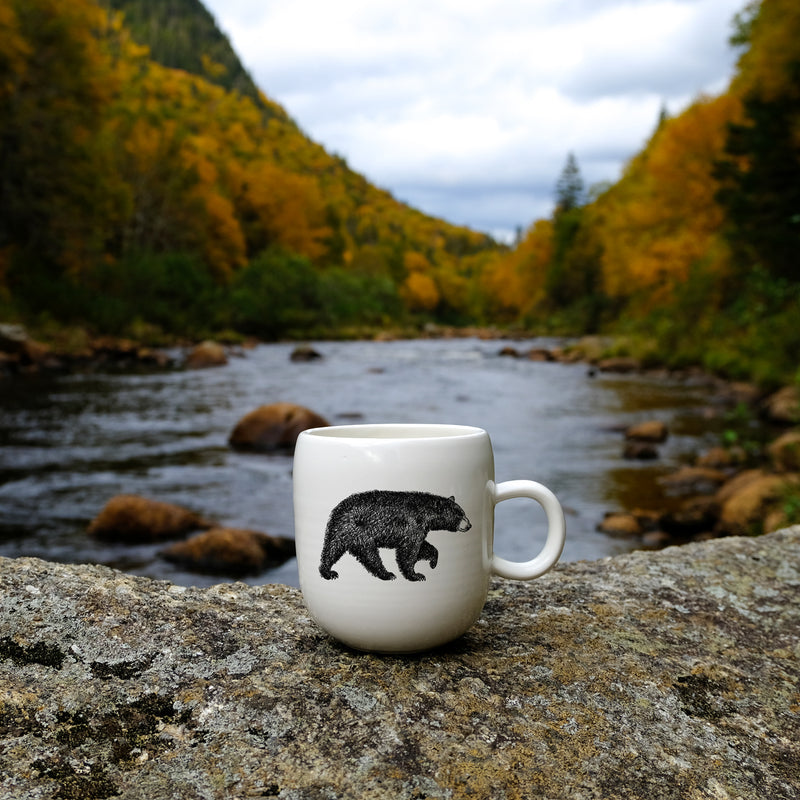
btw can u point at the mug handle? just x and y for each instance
(556, 531)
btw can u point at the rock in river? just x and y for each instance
(305, 352)
(785, 452)
(131, 518)
(651, 431)
(273, 427)
(206, 354)
(747, 499)
(783, 407)
(230, 551)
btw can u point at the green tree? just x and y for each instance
(561, 285)
(760, 172)
(761, 185)
(275, 294)
(570, 190)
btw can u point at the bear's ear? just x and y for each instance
(452, 498)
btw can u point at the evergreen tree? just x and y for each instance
(759, 174)
(761, 185)
(570, 198)
(570, 191)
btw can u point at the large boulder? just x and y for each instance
(669, 675)
(737, 484)
(230, 551)
(132, 518)
(783, 406)
(206, 354)
(744, 507)
(784, 452)
(273, 427)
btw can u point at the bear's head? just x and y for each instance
(453, 517)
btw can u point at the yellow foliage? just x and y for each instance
(287, 210)
(419, 292)
(515, 282)
(662, 218)
(186, 166)
(415, 262)
(223, 243)
(766, 66)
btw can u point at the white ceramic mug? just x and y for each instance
(394, 526)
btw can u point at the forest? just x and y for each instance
(149, 189)
(693, 256)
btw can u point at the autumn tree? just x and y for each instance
(419, 291)
(59, 194)
(126, 162)
(514, 282)
(661, 218)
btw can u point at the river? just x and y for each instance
(69, 443)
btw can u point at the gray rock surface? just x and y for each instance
(653, 675)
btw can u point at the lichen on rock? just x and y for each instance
(651, 675)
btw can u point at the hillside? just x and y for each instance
(148, 187)
(183, 34)
(693, 252)
(163, 174)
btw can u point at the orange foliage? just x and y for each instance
(515, 282)
(661, 218)
(419, 292)
(281, 208)
(139, 158)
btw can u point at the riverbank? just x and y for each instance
(666, 675)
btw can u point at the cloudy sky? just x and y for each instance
(467, 109)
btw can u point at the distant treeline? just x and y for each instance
(146, 183)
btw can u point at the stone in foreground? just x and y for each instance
(652, 675)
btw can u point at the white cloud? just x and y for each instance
(468, 108)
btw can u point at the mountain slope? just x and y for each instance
(184, 35)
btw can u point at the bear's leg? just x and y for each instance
(368, 555)
(428, 553)
(407, 557)
(332, 551)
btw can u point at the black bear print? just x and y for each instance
(367, 521)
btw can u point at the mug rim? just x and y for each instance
(388, 431)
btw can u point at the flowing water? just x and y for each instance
(69, 443)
